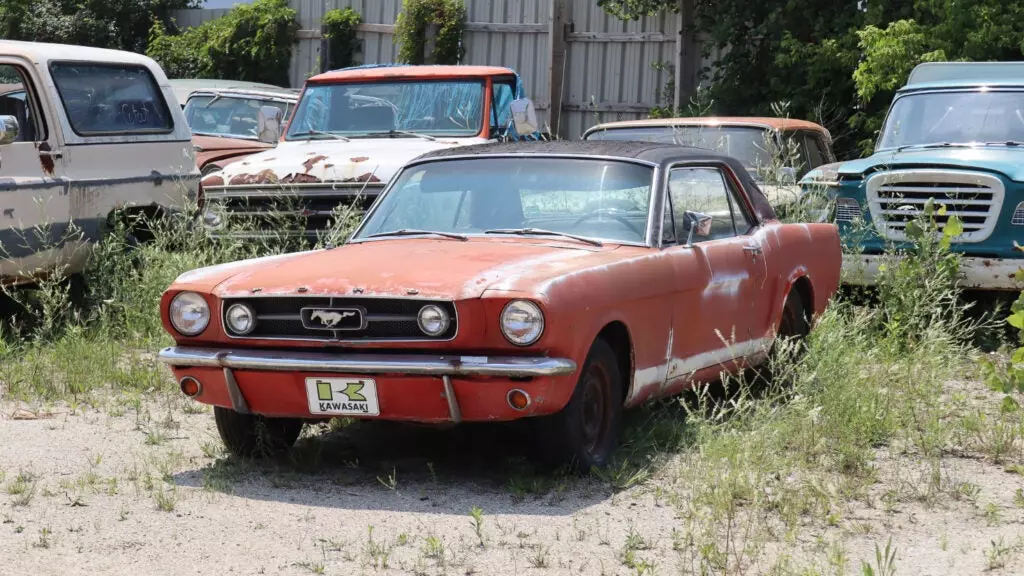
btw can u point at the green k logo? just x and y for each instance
(352, 392)
(323, 391)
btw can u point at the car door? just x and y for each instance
(34, 213)
(718, 327)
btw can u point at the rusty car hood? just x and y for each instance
(219, 143)
(312, 161)
(427, 267)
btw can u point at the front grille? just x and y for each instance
(387, 319)
(1018, 215)
(306, 209)
(898, 197)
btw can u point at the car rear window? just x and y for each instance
(103, 99)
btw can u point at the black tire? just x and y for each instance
(795, 323)
(794, 326)
(586, 432)
(253, 436)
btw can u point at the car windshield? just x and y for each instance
(599, 199)
(352, 109)
(958, 117)
(752, 146)
(229, 116)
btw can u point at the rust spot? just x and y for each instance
(270, 159)
(308, 164)
(45, 160)
(368, 177)
(299, 179)
(213, 180)
(328, 166)
(263, 177)
(986, 263)
(9, 212)
(359, 159)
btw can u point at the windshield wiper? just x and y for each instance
(393, 133)
(415, 232)
(216, 97)
(322, 133)
(933, 145)
(1005, 143)
(543, 232)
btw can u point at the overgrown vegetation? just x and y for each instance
(121, 24)
(414, 22)
(253, 42)
(340, 30)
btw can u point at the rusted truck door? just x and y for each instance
(33, 190)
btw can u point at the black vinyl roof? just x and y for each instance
(655, 152)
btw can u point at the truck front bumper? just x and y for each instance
(411, 387)
(997, 274)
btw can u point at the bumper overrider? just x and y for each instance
(414, 387)
(975, 273)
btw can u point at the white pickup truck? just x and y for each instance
(83, 132)
(351, 131)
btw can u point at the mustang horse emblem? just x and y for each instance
(330, 319)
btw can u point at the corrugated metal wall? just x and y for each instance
(614, 70)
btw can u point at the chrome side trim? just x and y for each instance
(367, 363)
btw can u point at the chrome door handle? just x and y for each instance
(51, 153)
(753, 250)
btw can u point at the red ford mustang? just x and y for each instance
(557, 281)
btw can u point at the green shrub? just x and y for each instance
(340, 31)
(253, 42)
(411, 30)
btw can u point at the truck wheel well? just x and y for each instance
(803, 288)
(617, 336)
(136, 219)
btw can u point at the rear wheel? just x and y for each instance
(253, 436)
(586, 432)
(790, 339)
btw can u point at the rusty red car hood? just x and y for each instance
(432, 268)
(217, 143)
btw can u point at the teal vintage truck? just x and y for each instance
(954, 134)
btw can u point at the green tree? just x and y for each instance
(253, 42)
(120, 24)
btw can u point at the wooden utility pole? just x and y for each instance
(556, 70)
(688, 55)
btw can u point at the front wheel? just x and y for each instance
(253, 436)
(585, 433)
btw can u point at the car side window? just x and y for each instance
(17, 100)
(704, 190)
(815, 155)
(504, 94)
(111, 98)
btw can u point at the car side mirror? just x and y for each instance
(524, 116)
(700, 225)
(268, 124)
(8, 129)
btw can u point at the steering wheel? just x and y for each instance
(613, 214)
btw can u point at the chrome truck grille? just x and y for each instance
(365, 319)
(898, 197)
(295, 209)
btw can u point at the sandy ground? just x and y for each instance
(92, 485)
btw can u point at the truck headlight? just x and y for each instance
(189, 313)
(433, 320)
(240, 318)
(522, 322)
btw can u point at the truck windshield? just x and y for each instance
(954, 117)
(228, 116)
(752, 146)
(358, 109)
(595, 199)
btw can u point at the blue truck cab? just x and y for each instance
(954, 134)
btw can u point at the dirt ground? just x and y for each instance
(146, 489)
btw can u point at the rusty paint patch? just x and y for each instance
(328, 166)
(45, 160)
(368, 177)
(262, 177)
(308, 164)
(359, 159)
(213, 180)
(9, 212)
(299, 179)
(270, 159)
(158, 178)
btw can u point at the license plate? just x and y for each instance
(342, 396)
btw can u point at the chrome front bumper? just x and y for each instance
(975, 273)
(367, 363)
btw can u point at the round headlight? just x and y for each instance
(433, 320)
(190, 314)
(522, 322)
(212, 219)
(240, 319)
